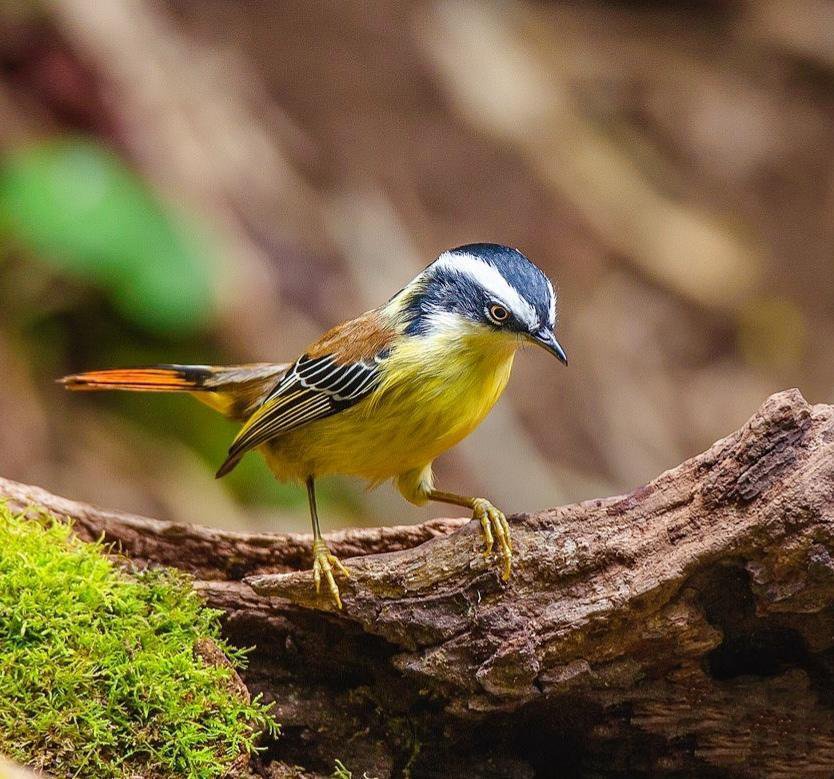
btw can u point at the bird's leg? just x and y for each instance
(494, 525)
(323, 561)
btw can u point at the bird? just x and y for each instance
(381, 396)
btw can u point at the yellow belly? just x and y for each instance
(431, 396)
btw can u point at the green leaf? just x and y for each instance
(80, 209)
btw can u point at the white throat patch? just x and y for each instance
(490, 278)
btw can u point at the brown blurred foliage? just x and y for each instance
(668, 164)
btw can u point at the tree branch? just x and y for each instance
(687, 626)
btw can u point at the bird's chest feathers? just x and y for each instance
(434, 390)
(441, 386)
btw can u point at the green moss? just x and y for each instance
(98, 674)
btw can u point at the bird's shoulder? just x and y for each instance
(356, 340)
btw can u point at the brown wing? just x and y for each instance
(335, 373)
(358, 339)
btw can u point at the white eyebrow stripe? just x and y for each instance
(552, 317)
(490, 278)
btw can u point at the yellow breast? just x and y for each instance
(434, 391)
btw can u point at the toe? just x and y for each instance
(317, 575)
(501, 527)
(486, 531)
(334, 589)
(506, 526)
(324, 565)
(324, 562)
(481, 513)
(507, 557)
(339, 566)
(495, 529)
(498, 528)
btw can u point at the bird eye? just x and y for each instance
(498, 314)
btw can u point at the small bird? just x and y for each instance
(381, 396)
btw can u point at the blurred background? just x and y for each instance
(215, 182)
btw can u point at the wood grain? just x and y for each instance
(685, 628)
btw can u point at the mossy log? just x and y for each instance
(686, 628)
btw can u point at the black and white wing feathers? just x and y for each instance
(314, 388)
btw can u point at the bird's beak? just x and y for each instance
(545, 338)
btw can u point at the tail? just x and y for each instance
(235, 391)
(156, 378)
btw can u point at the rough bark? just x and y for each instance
(686, 628)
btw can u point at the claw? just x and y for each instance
(494, 526)
(487, 533)
(323, 563)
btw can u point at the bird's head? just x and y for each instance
(487, 289)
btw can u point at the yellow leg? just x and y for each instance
(494, 525)
(323, 561)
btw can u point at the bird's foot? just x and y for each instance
(323, 564)
(494, 526)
